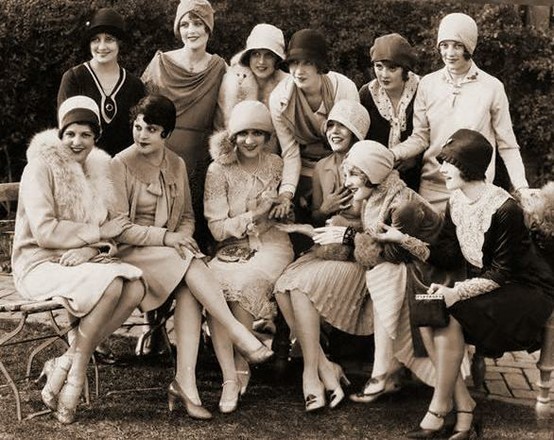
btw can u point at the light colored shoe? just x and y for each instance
(337, 395)
(69, 399)
(227, 406)
(375, 388)
(175, 393)
(55, 370)
(314, 400)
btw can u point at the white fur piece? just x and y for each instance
(238, 84)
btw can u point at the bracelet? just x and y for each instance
(348, 237)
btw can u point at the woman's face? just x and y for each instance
(452, 176)
(104, 48)
(79, 139)
(193, 32)
(452, 54)
(262, 63)
(338, 136)
(148, 137)
(389, 76)
(250, 143)
(304, 73)
(357, 183)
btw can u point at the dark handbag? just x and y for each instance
(429, 311)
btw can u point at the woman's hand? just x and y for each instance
(336, 201)
(329, 234)
(390, 234)
(282, 208)
(261, 210)
(113, 228)
(305, 229)
(181, 241)
(74, 257)
(448, 293)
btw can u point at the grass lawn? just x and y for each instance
(269, 410)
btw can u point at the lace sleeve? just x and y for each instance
(416, 247)
(474, 287)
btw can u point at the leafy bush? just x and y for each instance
(40, 39)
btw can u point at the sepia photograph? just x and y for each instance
(277, 219)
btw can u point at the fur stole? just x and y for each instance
(238, 84)
(82, 193)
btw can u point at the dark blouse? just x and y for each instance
(379, 131)
(114, 109)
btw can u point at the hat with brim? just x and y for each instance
(264, 36)
(79, 109)
(308, 45)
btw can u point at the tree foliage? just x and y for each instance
(40, 39)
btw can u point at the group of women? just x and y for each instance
(240, 157)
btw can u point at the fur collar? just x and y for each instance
(82, 193)
(222, 150)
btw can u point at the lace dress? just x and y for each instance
(231, 193)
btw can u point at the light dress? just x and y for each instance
(61, 207)
(337, 289)
(231, 192)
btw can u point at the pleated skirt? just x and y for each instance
(337, 290)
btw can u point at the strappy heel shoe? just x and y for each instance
(55, 370)
(475, 429)
(175, 393)
(443, 431)
(375, 388)
(315, 401)
(244, 380)
(337, 395)
(69, 398)
(228, 406)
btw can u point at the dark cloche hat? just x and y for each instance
(469, 151)
(106, 20)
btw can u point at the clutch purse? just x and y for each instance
(429, 311)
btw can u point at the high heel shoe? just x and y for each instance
(337, 395)
(244, 380)
(229, 405)
(475, 429)
(69, 398)
(175, 393)
(257, 356)
(444, 430)
(375, 388)
(315, 401)
(55, 370)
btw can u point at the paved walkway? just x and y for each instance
(511, 378)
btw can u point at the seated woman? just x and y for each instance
(153, 196)
(319, 286)
(241, 187)
(393, 272)
(63, 247)
(507, 296)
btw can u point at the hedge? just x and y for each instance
(40, 39)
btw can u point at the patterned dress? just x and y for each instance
(231, 193)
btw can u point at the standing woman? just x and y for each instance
(299, 107)
(154, 198)
(113, 88)
(507, 295)
(317, 285)
(241, 187)
(460, 95)
(190, 77)
(389, 98)
(256, 73)
(63, 246)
